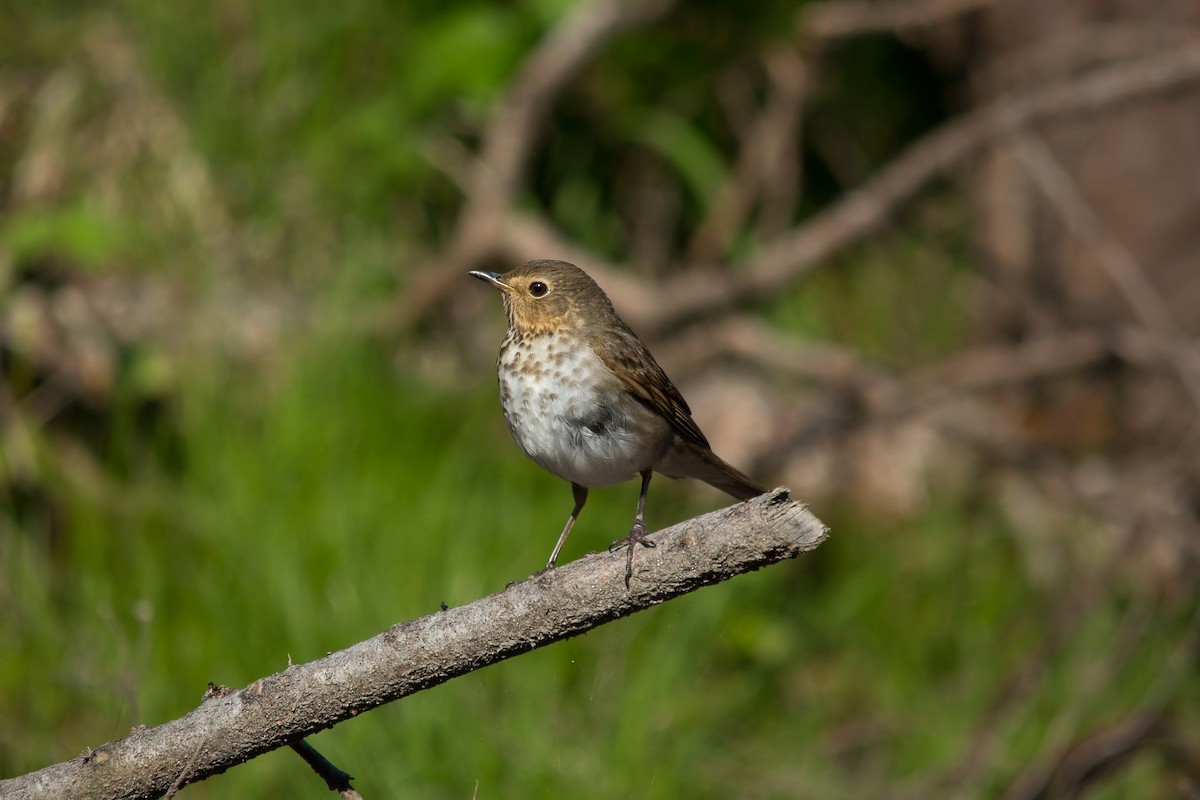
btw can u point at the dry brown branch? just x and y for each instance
(526, 233)
(528, 236)
(1114, 258)
(231, 728)
(1069, 772)
(748, 340)
(703, 291)
(490, 184)
(948, 394)
(999, 365)
(767, 164)
(653, 309)
(512, 132)
(779, 163)
(851, 396)
(751, 341)
(860, 213)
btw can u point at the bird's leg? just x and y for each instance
(637, 533)
(580, 495)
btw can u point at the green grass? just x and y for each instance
(309, 509)
(280, 506)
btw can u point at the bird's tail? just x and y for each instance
(689, 460)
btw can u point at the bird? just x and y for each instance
(586, 401)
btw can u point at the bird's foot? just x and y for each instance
(637, 535)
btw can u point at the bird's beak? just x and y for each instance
(493, 278)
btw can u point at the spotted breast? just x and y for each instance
(570, 415)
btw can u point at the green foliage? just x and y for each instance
(78, 233)
(341, 98)
(314, 507)
(218, 516)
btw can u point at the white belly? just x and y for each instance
(567, 420)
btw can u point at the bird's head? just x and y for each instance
(544, 296)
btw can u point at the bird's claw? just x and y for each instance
(637, 535)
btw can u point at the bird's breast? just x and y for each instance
(570, 414)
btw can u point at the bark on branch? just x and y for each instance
(231, 727)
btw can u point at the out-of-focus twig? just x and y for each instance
(841, 19)
(703, 292)
(946, 394)
(1069, 772)
(1122, 268)
(767, 165)
(491, 227)
(491, 183)
(973, 369)
(748, 340)
(494, 180)
(528, 236)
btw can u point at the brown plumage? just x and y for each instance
(586, 400)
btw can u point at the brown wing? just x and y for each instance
(630, 361)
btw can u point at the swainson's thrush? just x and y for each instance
(584, 398)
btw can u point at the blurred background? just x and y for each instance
(933, 264)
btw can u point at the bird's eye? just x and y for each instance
(538, 289)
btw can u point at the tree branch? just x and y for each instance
(702, 291)
(512, 132)
(492, 182)
(1123, 269)
(336, 779)
(655, 308)
(231, 728)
